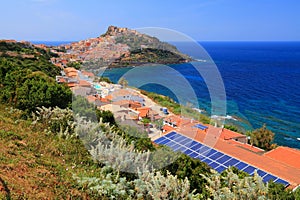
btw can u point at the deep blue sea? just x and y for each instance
(261, 79)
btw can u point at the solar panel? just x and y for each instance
(165, 141)
(241, 165)
(220, 168)
(207, 160)
(193, 155)
(216, 155)
(261, 173)
(269, 177)
(193, 144)
(250, 170)
(171, 136)
(217, 160)
(214, 165)
(196, 147)
(203, 150)
(187, 142)
(223, 159)
(200, 126)
(187, 152)
(179, 138)
(182, 148)
(157, 141)
(285, 183)
(201, 157)
(231, 162)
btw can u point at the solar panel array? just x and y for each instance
(200, 126)
(216, 159)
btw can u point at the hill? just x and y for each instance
(119, 47)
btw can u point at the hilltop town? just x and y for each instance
(118, 47)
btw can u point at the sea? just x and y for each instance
(261, 82)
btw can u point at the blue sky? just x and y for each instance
(203, 20)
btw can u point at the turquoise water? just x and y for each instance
(262, 83)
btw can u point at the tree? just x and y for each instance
(263, 138)
(123, 82)
(106, 116)
(278, 191)
(187, 167)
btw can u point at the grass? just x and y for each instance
(36, 165)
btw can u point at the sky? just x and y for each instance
(202, 20)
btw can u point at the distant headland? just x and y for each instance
(118, 47)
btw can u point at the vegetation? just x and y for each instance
(263, 138)
(144, 56)
(75, 64)
(123, 82)
(26, 77)
(231, 127)
(104, 79)
(176, 108)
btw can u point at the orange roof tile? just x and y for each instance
(91, 98)
(70, 69)
(179, 121)
(144, 111)
(84, 83)
(228, 134)
(274, 164)
(71, 84)
(72, 74)
(90, 74)
(285, 155)
(62, 80)
(168, 128)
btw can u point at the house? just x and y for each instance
(173, 121)
(128, 104)
(87, 74)
(82, 91)
(84, 83)
(127, 94)
(166, 128)
(143, 112)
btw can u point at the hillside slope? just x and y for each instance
(36, 165)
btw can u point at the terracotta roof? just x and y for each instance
(144, 111)
(285, 155)
(121, 102)
(90, 74)
(72, 74)
(109, 97)
(228, 134)
(274, 164)
(72, 84)
(84, 83)
(123, 92)
(105, 100)
(70, 69)
(91, 98)
(179, 121)
(62, 80)
(168, 128)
